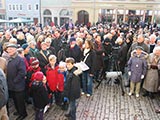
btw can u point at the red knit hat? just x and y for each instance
(34, 61)
(38, 76)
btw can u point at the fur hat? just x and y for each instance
(38, 76)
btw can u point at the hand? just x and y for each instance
(44, 80)
(76, 72)
(142, 76)
(129, 73)
(90, 74)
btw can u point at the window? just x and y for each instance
(36, 7)
(47, 12)
(29, 7)
(20, 7)
(17, 7)
(13, 7)
(10, 18)
(10, 7)
(0, 3)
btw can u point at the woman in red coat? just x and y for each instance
(55, 80)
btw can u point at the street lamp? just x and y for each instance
(94, 11)
(40, 20)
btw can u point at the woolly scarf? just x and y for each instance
(85, 51)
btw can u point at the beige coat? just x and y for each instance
(151, 81)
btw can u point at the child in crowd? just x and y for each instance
(137, 66)
(39, 94)
(54, 80)
(72, 88)
(32, 69)
(63, 71)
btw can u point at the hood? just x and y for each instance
(143, 54)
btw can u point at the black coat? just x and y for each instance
(75, 52)
(107, 50)
(43, 59)
(99, 58)
(39, 94)
(57, 44)
(122, 56)
(72, 86)
(91, 61)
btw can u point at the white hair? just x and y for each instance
(32, 42)
(157, 48)
(62, 64)
(153, 36)
(13, 40)
(30, 38)
(48, 40)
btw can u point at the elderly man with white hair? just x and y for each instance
(140, 42)
(151, 81)
(152, 42)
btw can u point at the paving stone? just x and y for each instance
(107, 103)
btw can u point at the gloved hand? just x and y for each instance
(154, 66)
(129, 73)
(142, 76)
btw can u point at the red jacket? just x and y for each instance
(54, 78)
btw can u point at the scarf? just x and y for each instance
(85, 51)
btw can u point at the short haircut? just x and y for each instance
(52, 57)
(70, 60)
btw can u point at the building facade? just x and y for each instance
(59, 12)
(2, 9)
(29, 9)
(56, 11)
(115, 11)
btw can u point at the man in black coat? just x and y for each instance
(72, 88)
(74, 50)
(16, 71)
(57, 42)
(122, 54)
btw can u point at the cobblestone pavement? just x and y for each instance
(107, 103)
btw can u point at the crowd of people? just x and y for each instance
(57, 65)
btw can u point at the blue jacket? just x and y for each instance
(137, 65)
(16, 72)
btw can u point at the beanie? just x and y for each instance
(38, 76)
(34, 61)
(107, 39)
(72, 39)
(24, 46)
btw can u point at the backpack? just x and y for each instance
(3, 89)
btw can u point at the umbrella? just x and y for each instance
(3, 21)
(20, 20)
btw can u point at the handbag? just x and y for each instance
(83, 65)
